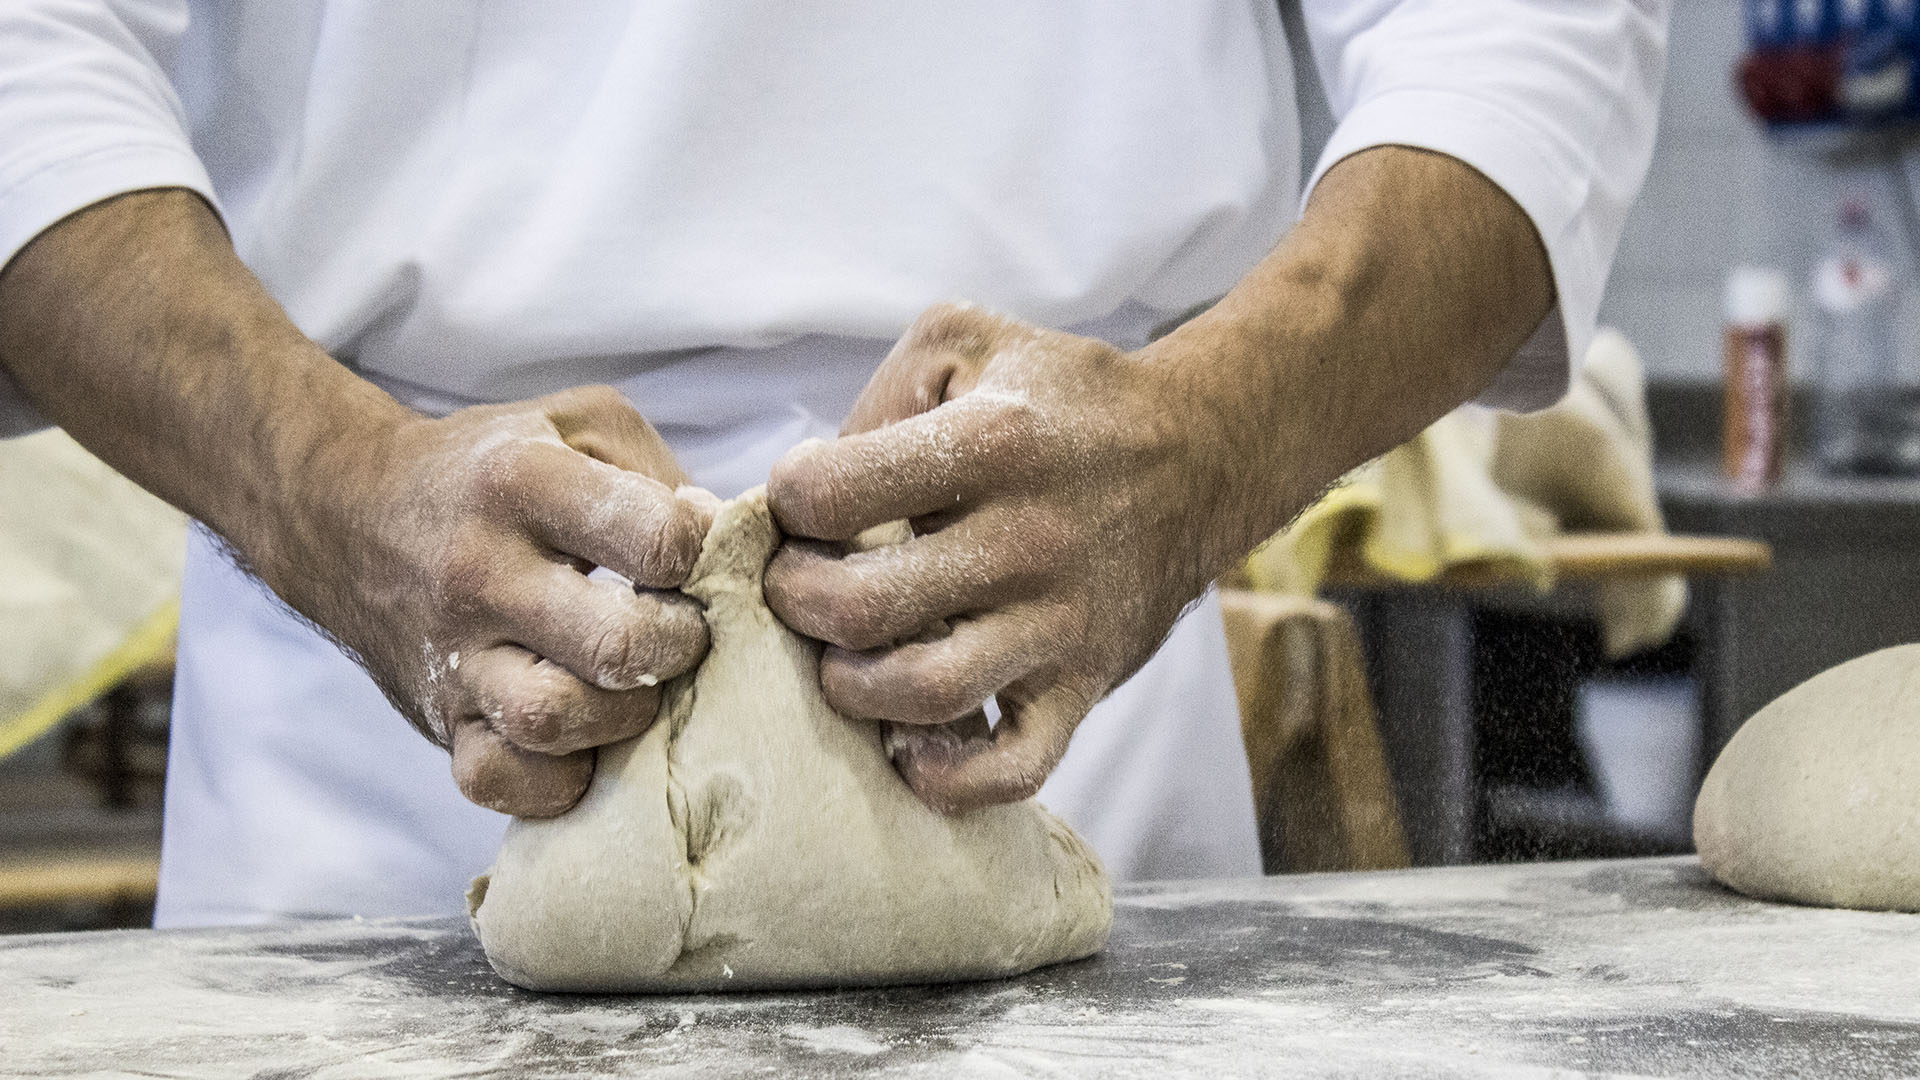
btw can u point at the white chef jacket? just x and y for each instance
(727, 209)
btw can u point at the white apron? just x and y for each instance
(502, 199)
(294, 789)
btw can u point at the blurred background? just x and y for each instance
(1515, 638)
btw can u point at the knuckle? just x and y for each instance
(598, 398)
(540, 724)
(666, 544)
(504, 473)
(954, 327)
(1027, 544)
(576, 400)
(465, 577)
(805, 494)
(892, 615)
(1012, 429)
(616, 653)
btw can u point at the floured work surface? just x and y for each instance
(753, 838)
(1643, 967)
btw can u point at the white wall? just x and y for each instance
(1719, 193)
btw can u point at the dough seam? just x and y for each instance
(680, 811)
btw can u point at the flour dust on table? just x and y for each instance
(753, 838)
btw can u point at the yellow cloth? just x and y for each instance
(1485, 487)
(89, 581)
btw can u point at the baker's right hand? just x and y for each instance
(449, 556)
(451, 560)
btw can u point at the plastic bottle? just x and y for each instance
(1753, 428)
(1866, 417)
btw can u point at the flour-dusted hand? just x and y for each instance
(1070, 498)
(449, 556)
(458, 576)
(1061, 513)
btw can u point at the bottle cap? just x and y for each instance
(1854, 215)
(1755, 295)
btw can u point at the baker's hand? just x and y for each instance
(453, 563)
(1059, 496)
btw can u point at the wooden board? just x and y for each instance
(35, 881)
(1584, 557)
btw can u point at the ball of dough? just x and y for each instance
(1817, 798)
(755, 839)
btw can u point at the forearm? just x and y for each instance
(1408, 283)
(134, 326)
(413, 542)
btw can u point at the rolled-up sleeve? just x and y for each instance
(1554, 100)
(86, 113)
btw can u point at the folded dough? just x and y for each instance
(1817, 798)
(753, 838)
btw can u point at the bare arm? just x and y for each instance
(133, 325)
(446, 555)
(1072, 499)
(1409, 282)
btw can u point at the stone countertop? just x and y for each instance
(1638, 966)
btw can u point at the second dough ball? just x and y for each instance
(1817, 798)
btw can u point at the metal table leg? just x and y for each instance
(1420, 666)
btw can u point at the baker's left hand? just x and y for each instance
(1071, 499)
(1060, 496)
